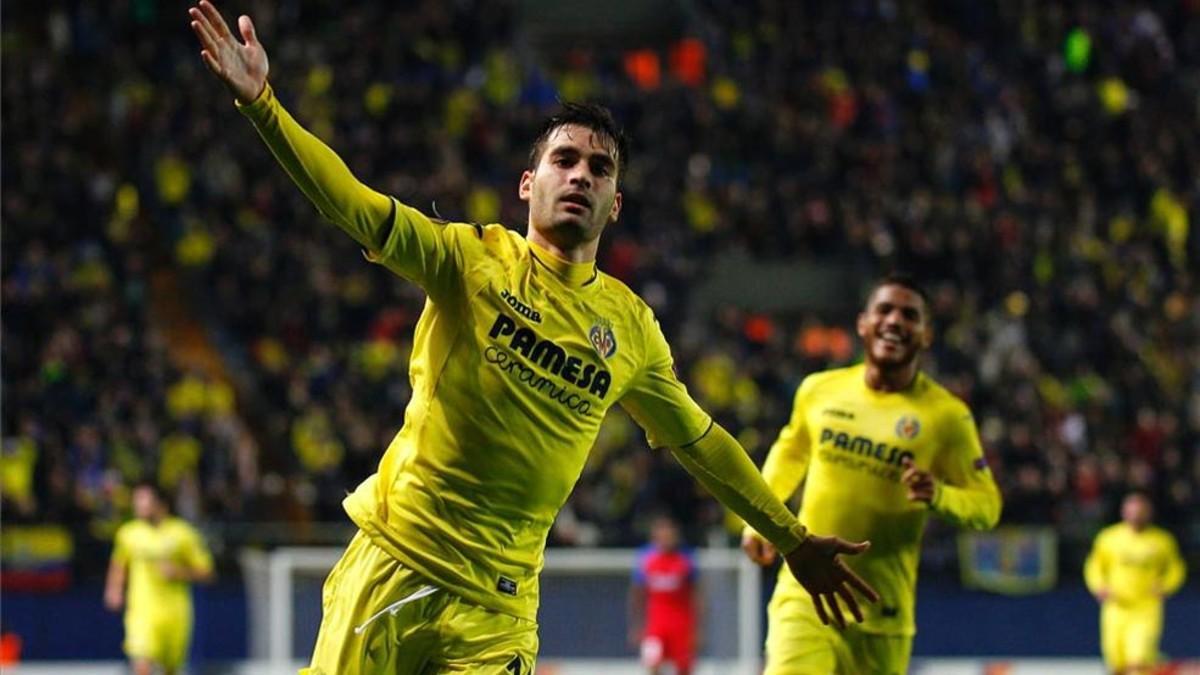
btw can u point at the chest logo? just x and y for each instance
(602, 338)
(907, 427)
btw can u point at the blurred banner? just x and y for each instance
(1010, 560)
(35, 557)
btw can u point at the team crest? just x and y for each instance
(907, 427)
(602, 338)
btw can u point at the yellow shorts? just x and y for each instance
(799, 644)
(1129, 635)
(380, 617)
(160, 637)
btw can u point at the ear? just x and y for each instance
(927, 336)
(525, 189)
(616, 209)
(862, 327)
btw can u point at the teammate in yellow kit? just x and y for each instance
(160, 556)
(882, 446)
(521, 349)
(1133, 566)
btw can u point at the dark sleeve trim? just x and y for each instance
(711, 424)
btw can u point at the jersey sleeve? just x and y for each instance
(1176, 570)
(657, 400)
(1095, 568)
(639, 567)
(120, 554)
(966, 494)
(398, 236)
(722, 466)
(195, 552)
(789, 456)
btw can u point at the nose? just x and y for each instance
(580, 177)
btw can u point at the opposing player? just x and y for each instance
(1132, 568)
(665, 603)
(521, 349)
(159, 557)
(882, 446)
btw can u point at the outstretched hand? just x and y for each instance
(242, 67)
(819, 569)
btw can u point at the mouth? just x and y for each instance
(577, 199)
(891, 339)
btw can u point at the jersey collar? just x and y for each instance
(571, 275)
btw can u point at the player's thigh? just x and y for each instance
(1143, 628)
(474, 639)
(174, 640)
(799, 644)
(363, 628)
(878, 654)
(1113, 621)
(140, 636)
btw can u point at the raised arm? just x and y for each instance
(661, 405)
(786, 465)
(397, 236)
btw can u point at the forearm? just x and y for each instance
(724, 469)
(976, 507)
(320, 173)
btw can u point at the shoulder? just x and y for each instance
(181, 526)
(1163, 535)
(617, 292)
(125, 531)
(827, 380)
(945, 405)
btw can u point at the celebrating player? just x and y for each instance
(521, 349)
(1132, 568)
(882, 446)
(160, 556)
(665, 603)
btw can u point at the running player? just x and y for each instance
(882, 446)
(161, 557)
(1132, 568)
(665, 603)
(521, 349)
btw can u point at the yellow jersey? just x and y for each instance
(143, 548)
(1135, 568)
(850, 441)
(516, 358)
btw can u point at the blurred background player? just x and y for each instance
(1132, 568)
(160, 556)
(521, 349)
(882, 445)
(665, 603)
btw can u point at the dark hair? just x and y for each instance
(590, 116)
(152, 486)
(904, 280)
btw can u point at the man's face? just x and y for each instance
(664, 534)
(572, 192)
(145, 504)
(894, 327)
(1136, 511)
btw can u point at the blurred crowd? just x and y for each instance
(172, 307)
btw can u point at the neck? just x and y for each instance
(891, 379)
(578, 253)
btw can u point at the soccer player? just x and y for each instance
(1132, 568)
(161, 557)
(521, 349)
(665, 603)
(882, 446)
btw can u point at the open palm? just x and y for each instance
(242, 67)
